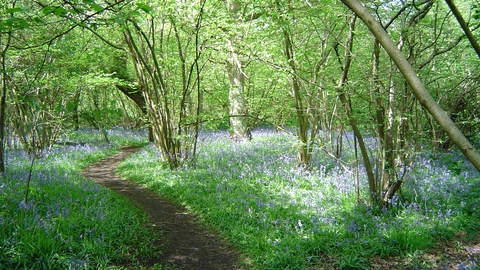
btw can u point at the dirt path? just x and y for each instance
(185, 244)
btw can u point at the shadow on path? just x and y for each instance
(185, 244)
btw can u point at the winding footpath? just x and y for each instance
(185, 243)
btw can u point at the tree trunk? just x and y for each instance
(75, 115)
(156, 99)
(3, 103)
(239, 122)
(343, 98)
(384, 118)
(382, 163)
(238, 106)
(464, 26)
(304, 155)
(413, 80)
(138, 98)
(3, 96)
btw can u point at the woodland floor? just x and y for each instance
(187, 244)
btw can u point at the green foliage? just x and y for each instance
(476, 11)
(146, 8)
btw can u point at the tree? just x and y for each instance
(168, 91)
(239, 122)
(5, 40)
(21, 75)
(306, 51)
(343, 97)
(394, 107)
(421, 93)
(304, 155)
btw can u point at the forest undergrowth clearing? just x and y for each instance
(255, 195)
(282, 216)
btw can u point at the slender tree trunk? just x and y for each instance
(75, 116)
(199, 89)
(3, 103)
(3, 96)
(382, 175)
(464, 26)
(421, 93)
(239, 122)
(384, 119)
(343, 98)
(389, 134)
(303, 153)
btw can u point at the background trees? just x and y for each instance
(239, 64)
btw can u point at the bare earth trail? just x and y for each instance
(185, 244)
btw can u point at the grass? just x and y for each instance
(285, 218)
(68, 222)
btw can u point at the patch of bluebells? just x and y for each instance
(446, 192)
(117, 136)
(282, 206)
(65, 213)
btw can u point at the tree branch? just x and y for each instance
(464, 26)
(421, 93)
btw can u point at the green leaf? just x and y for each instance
(119, 19)
(57, 10)
(48, 9)
(95, 6)
(135, 13)
(146, 8)
(38, 20)
(13, 10)
(17, 22)
(3, 25)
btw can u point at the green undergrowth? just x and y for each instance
(283, 217)
(67, 221)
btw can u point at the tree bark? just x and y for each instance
(3, 103)
(238, 102)
(75, 113)
(303, 153)
(3, 97)
(152, 84)
(414, 81)
(386, 160)
(343, 98)
(138, 98)
(239, 122)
